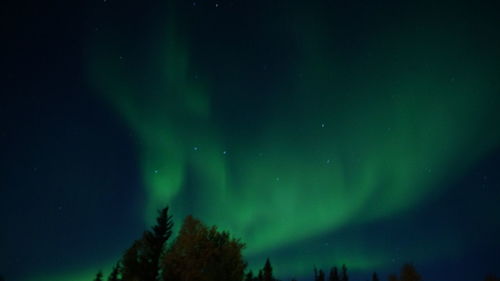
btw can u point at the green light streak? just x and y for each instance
(341, 150)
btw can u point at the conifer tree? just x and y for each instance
(113, 276)
(155, 243)
(334, 274)
(321, 275)
(141, 261)
(267, 271)
(345, 277)
(249, 276)
(133, 263)
(98, 276)
(375, 276)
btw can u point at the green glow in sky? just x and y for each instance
(360, 137)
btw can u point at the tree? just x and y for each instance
(321, 275)
(141, 261)
(98, 276)
(249, 276)
(155, 241)
(202, 253)
(392, 277)
(115, 273)
(267, 271)
(345, 277)
(375, 276)
(133, 263)
(334, 274)
(409, 273)
(491, 278)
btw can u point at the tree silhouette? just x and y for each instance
(133, 262)
(491, 278)
(393, 277)
(98, 276)
(249, 276)
(267, 271)
(154, 242)
(321, 275)
(345, 277)
(141, 261)
(201, 253)
(409, 273)
(334, 274)
(375, 276)
(114, 275)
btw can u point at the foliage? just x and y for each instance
(334, 274)
(98, 276)
(409, 273)
(203, 253)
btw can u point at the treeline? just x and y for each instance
(202, 253)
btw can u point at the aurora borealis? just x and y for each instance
(321, 133)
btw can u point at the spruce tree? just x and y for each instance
(268, 271)
(375, 277)
(155, 243)
(115, 273)
(334, 274)
(98, 276)
(345, 277)
(133, 262)
(321, 275)
(249, 276)
(142, 260)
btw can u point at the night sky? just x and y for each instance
(320, 132)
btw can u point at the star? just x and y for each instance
(195, 148)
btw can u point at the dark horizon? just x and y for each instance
(321, 133)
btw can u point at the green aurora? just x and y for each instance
(352, 137)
